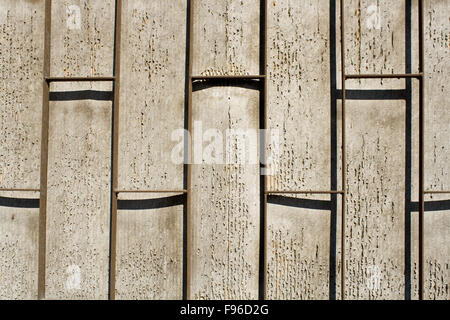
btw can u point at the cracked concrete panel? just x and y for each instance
(152, 93)
(375, 200)
(150, 246)
(78, 201)
(82, 41)
(21, 65)
(18, 246)
(299, 93)
(298, 247)
(437, 104)
(225, 197)
(226, 37)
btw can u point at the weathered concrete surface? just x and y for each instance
(18, 248)
(149, 248)
(78, 212)
(375, 154)
(79, 166)
(226, 37)
(21, 58)
(299, 107)
(225, 202)
(225, 198)
(299, 246)
(152, 93)
(437, 148)
(21, 51)
(82, 41)
(375, 201)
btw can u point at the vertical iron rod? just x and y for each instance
(421, 150)
(115, 146)
(344, 187)
(44, 153)
(189, 157)
(263, 237)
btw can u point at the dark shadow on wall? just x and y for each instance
(333, 147)
(408, 150)
(299, 203)
(187, 67)
(148, 204)
(19, 203)
(237, 83)
(331, 205)
(81, 95)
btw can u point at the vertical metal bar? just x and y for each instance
(44, 153)
(189, 157)
(421, 150)
(344, 175)
(115, 147)
(263, 124)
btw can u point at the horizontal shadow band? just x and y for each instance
(19, 203)
(438, 205)
(351, 94)
(238, 83)
(147, 204)
(299, 203)
(81, 95)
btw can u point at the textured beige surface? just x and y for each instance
(225, 203)
(21, 50)
(21, 58)
(78, 212)
(375, 201)
(82, 41)
(437, 146)
(298, 255)
(152, 93)
(149, 248)
(225, 37)
(299, 107)
(375, 155)
(225, 207)
(18, 249)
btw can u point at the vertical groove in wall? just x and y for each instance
(44, 153)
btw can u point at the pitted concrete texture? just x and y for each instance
(299, 108)
(79, 191)
(299, 93)
(375, 201)
(298, 248)
(437, 64)
(82, 41)
(152, 93)
(226, 37)
(21, 65)
(437, 155)
(375, 43)
(303, 232)
(149, 247)
(18, 247)
(225, 201)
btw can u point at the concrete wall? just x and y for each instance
(303, 104)
(21, 65)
